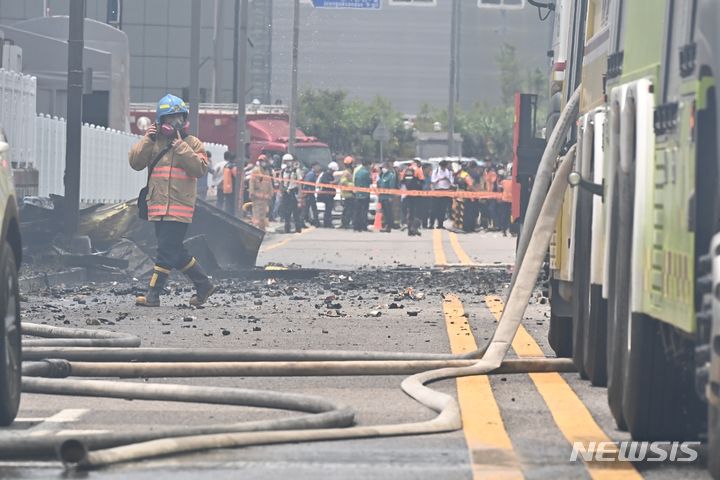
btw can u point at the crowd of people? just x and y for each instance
(284, 189)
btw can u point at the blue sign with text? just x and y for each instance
(346, 3)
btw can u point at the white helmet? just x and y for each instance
(333, 166)
(287, 158)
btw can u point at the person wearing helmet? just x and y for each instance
(261, 191)
(348, 196)
(413, 178)
(290, 189)
(327, 194)
(175, 160)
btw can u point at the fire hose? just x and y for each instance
(66, 352)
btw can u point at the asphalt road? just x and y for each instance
(514, 425)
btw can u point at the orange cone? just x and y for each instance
(378, 218)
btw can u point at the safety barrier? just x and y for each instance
(17, 115)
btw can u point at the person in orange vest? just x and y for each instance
(228, 184)
(505, 204)
(413, 178)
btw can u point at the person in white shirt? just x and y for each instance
(443, 181)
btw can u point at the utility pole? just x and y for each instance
(453, 80)
(236, 42)
(218, 51)
(196, 12)
(73, 137)
(294, 82)
(241, 72)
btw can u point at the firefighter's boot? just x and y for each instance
(203, 286)
(157, 284)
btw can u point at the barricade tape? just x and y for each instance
(388, 191)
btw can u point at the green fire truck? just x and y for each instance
(634, 270)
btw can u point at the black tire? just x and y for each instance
(618, 294)
(714, 432)
(10, 347)
(581, 279)
(595, 348)
(560, 336)
(659, 400)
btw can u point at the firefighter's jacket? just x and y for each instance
(261, 185)
(172, 187)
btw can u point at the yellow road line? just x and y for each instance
(491, 451)
(440, 258)
(569, 412)
(457, 248)
(286, 241)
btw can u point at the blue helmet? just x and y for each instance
(169, 105)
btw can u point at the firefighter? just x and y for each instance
(290, 189)
(348, 197)
(413, 178)
(175, 160)
(261, 191)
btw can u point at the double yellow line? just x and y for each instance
(569, 412)
(489, 445)
(286, 241)
(439, 250)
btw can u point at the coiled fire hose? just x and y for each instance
(76, 352)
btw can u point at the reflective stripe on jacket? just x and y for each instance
(261, 187)
(172, 188)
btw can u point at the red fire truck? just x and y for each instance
(268, 127)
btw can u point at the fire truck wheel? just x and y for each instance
(581, 279)
(10, 349)
(560, 335)
(714, 433)
(659, 400)
(595, 348)
(618, 296)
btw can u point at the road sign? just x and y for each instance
(381, 133)
(367, 4)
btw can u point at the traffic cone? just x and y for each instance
(378, 218)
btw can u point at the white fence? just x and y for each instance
(38, 141)
(17, 115)
(105, 174)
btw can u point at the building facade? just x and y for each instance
(400, 51)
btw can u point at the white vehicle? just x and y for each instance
(10, 256)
